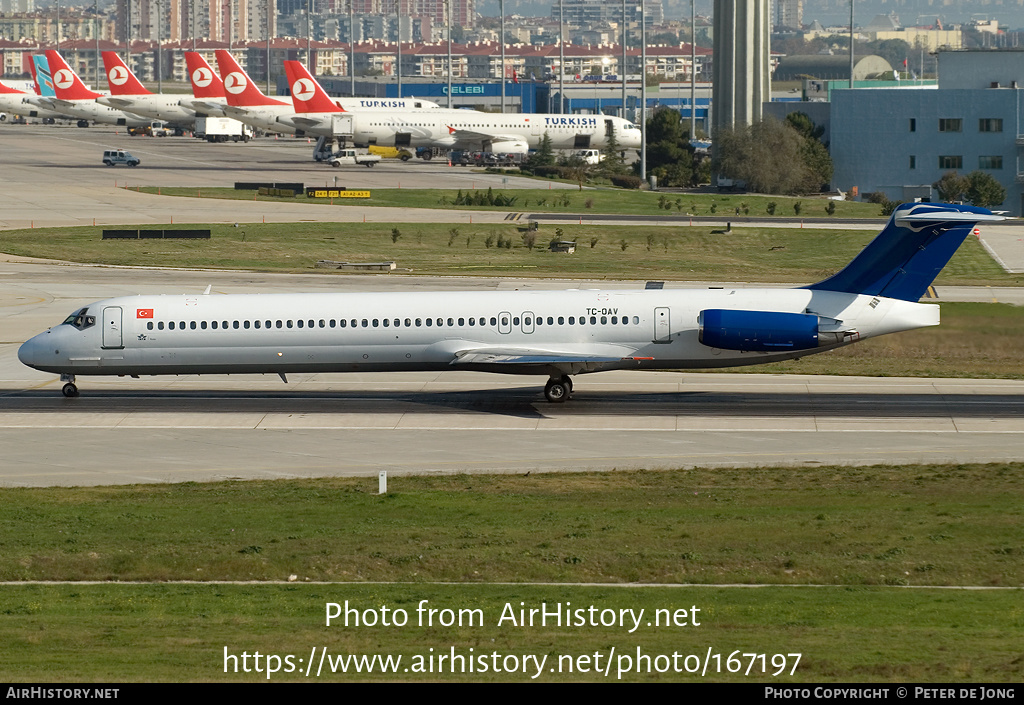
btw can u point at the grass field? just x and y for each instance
(637, 252)
(865, 532)
(545, 200)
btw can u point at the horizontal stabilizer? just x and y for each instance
(904, 259)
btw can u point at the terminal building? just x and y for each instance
(900, 141)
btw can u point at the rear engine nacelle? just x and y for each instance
(758, 331)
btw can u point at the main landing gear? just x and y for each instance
(558, 390)
(69, 390)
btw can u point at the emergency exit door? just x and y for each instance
(662, 326)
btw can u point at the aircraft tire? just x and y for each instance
(69, 390)
(557, 390)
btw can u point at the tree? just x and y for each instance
(983, 190)
(951, 187)
(773, 157)
(613, 162)
(669, 153)
(545, 154)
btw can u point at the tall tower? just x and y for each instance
(742, 67)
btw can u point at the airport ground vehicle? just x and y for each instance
(113, 157)
(222, 129)
(588, 156)
(350, 157)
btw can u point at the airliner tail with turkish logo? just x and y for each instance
(128, 93)
(73, 98)
(121, 79)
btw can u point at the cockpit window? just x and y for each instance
(80, 319)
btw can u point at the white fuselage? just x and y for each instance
(470, 129)
(21, 104)
(522, 332)
(159, 106)
(89, 109)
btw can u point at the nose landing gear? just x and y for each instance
(69, 390)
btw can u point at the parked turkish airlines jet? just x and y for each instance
(208, 95)
(553, 333)
(73, 98)
(449, 129)
(19, 103)
(128, 93)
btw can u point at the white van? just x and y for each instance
(588, 156)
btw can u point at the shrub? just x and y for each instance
(626, 181)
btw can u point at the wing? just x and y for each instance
(475, 138)
(511, 360)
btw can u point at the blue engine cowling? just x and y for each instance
(758, 331)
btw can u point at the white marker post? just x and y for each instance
(382, 482)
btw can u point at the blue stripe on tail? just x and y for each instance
(904, 259)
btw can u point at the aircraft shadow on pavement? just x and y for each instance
(520, 402)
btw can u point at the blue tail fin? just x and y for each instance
(904, 259)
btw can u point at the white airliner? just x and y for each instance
(449, 129)
(553, 333)
(128, 93)
(19, 102)
(73, 98)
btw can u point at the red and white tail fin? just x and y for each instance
(66, 82)
(121, 79)
(239, 89)
(308, 96)
(7, 90)
(205, 82)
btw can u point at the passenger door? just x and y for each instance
(112, 338)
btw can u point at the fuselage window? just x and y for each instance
(353, 323)
(289, 322)
(192, 325)
(170, 325)
(203, 325)
(213, 324)
(494, 321)
(311, 323)
(235, 325)
(430, 322)
(593, 320)
(323, 323)
(224, 325)
(331, 323)
(440, 322)
(604, 320)
(504, 321)
(256, 324)
(343, 322)
(160, 325)
(245, 324)
(462, 321)
(182, 325)
(615, 320)
(572, 320)
(376, 322)
(387, 323)
(561, 320)
(636, 320)
(398, 322)
(551, 321)
(149, 326)
(300, 322)
(419, 322)
(451, 322)
(408, 322)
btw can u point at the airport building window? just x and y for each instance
(950, 125)
(992, 162)
(990, 125)
(951, 162)
(913, 124)
(913, 161)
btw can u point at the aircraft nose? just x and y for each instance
(30, 351)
